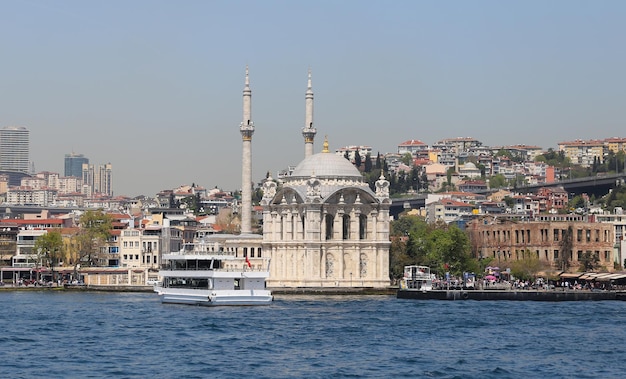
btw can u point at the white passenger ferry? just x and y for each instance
(417, 278)
(199, 274)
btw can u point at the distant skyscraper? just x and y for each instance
(102, 181)
(74, 165)
(97, 180)
(14, 148)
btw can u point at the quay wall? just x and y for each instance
(522, 295)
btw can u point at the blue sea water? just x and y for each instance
(56, 334)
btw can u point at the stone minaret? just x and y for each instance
(308, 131)
(247, 130)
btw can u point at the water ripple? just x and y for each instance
(126, 335)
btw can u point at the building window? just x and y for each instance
(362, 227)
(258, 252)
(330, 221)
(346, 227)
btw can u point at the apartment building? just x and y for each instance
(582, 152)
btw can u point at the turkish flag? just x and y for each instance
(248, 262)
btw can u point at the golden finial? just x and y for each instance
(325, 150)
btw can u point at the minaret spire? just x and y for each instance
(247, 100)
(308, 132)
(247, 130)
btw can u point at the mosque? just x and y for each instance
(322, 226)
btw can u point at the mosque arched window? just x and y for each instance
(362, 227)
(346, 227)
(330, 221)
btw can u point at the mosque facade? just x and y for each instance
(323, 226)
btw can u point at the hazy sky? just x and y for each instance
(154, 87)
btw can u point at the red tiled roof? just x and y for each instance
(412, 142)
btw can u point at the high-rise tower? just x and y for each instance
(14, 148)
(308, 132)
(247, 130)
(74, 164)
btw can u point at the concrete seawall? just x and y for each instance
(523, 295)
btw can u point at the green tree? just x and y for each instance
(497, 181)
(49, 249)
(440, 246)
(577, 202)
(589, 261)
(528, 267)
(94, 230)
(407, 159)
(368, 163)
(357, 159)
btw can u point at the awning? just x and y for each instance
(603, 277)
(570, 275)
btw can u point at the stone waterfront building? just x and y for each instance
(507, 240)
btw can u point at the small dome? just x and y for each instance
(469, 166)
(326, 165)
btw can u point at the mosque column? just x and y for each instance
(354, 224)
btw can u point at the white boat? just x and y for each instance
(195, 275)
(417, 278)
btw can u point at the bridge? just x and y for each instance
(592, 185)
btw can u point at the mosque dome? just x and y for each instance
(326, 164)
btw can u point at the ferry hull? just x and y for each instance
(215, 298)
